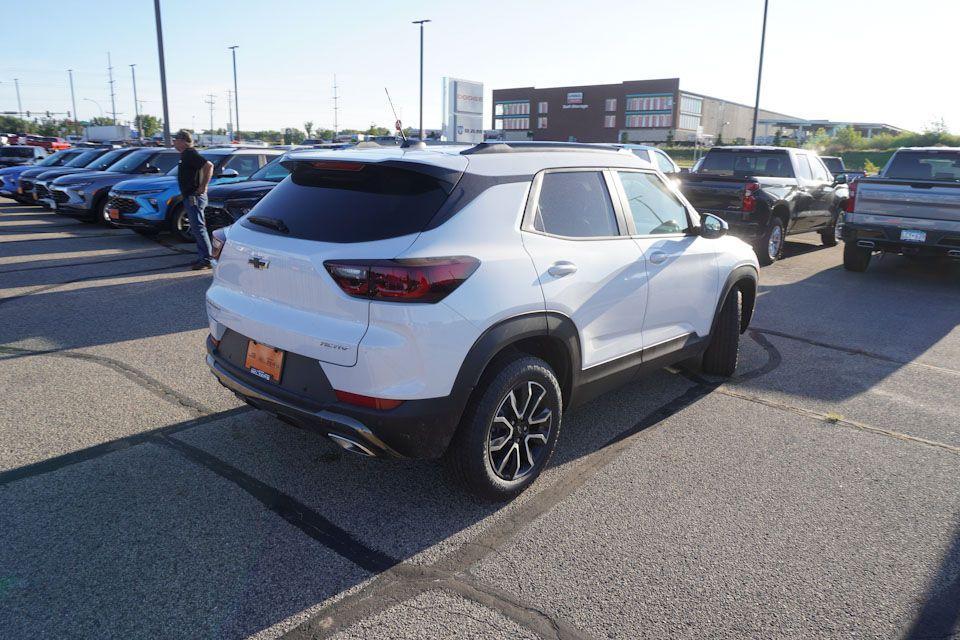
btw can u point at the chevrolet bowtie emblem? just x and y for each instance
(258, 263)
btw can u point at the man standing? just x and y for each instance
(193, 175)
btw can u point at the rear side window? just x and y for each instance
(924, 165)
(744, 164)
(835, 165)
(804, 172)
(244, 164)
(575, 204)
(165, 161)
(664, 163)
(653, 208)
(362, 204)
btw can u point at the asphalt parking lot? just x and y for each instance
(814, 495)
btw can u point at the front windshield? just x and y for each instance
(131, 162)
(84, 159)
(206, 155)
(56, 159)
(108, 159)
(17, 152)
(272, 172)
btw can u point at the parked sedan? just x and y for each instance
(105, 158)
(84, 195)
(152, 206)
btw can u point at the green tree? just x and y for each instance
(149, 124)
(848, 138)
(323, 134)
(820, 140)
(308, 127)
(869, 167)
(377, 131)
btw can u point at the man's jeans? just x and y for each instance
(198, 226)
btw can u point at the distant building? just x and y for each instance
(799, 130)
(647, 111)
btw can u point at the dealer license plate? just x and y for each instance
(909, 235)
(264, 361)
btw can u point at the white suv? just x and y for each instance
(454, 301)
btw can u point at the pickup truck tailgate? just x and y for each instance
(714, 193)
(926, 200)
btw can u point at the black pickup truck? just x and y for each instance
(767, 193)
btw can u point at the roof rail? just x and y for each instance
(519, 146)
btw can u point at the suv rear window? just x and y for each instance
(924, 165)
(351, 204)
(743, 164)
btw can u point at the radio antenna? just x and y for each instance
(399, 127)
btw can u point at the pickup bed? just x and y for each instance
(768, 193)
(911, 208)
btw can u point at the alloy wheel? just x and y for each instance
(181, 225)
(776, 240)
(518, 436)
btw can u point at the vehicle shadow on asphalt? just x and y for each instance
(939, 617)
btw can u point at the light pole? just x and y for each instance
(73, 101)
(756, 105)
(236, 98)
(96, 103)
(163, 75)
(421, 23)
(136, 107)
(16, 83)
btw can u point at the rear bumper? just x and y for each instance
(886, 238)
(415, 429)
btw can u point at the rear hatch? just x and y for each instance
(920, 184)
(271, 284)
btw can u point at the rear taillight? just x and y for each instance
(404, 280)
(851, 201)
(749, 203)
(218, 239)
(381, 404)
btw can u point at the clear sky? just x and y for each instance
(869, 60)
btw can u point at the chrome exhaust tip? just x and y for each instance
(866, 244)
(351, 445)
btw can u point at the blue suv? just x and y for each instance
(149, 206)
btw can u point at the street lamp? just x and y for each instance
(421, 23)
(236, 98)
(163, 74)
(756, 105)
(136, 107)
(96, 103)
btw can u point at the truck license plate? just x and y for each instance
(910, 235)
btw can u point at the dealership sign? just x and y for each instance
(575, 97)
(462, 110)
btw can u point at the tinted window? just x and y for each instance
(642, 154)
(835, 165)
(743, 164)
(274, 172)
(84, 159)
(108, 159)
(924, 165)
(803, 168)
(131, 162)
(575, 204)
(165, 161)
(372, 203)
(244, 164)
(664, 163)
(654, 209)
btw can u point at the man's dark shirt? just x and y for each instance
(188, 174)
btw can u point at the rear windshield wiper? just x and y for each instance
(271, 223)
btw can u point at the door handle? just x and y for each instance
(658, 257)
(562, 268)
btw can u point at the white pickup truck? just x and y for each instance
(912, 208)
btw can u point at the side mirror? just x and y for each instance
(228, 173)
(712, 227)
(151, 169)
(840, 179)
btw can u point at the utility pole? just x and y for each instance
(421, 23)
(211, 100)
(163, 74)
(73, 101)
(113, 95)
(336, 109)
(756, 105)
(136, 107)
(16, 83)
(230, 130)
(236, 96)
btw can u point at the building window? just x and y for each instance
(541, 123)
(610, 104)
(645, 121)
(690, 110)
(609, 121)
(651, 102)
(513, 124)
(689, 122)
(542, 107)
(514, 108)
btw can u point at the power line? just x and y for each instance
(336, 108)
(211, 100)
(113, 95)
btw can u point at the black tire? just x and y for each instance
(770, 246)
(100, 212)
(720, 358)
(471, 457)
(180, 225)
(856, 258)
(830, 236)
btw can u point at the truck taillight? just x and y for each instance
(851, 201)
(402, 280)
(218, 239)
(749, 203)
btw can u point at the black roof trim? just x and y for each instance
(513, 147)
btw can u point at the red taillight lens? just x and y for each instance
(409, 280)
(218, 239)
(381, 404)
(749, 203)
(849, 205)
